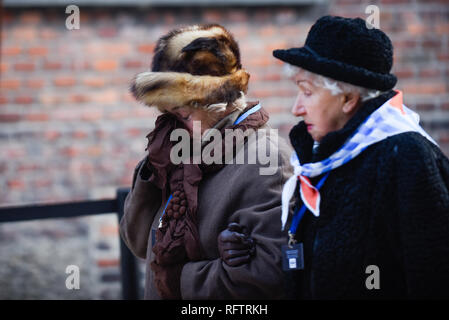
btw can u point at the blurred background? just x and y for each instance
(70, 130)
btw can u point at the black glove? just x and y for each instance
(235, 246)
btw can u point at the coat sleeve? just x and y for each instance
(141, 206)
(423, 219)
(256, 205)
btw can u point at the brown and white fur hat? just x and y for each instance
(196, 66)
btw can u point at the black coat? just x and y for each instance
(388, 207)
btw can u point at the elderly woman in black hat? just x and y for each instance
(371, 214)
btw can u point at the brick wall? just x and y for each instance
(69, 129)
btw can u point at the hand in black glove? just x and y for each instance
(235, 246)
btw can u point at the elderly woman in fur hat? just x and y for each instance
(186, 219)
(371, 186)
(371, 218)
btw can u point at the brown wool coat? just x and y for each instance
(236, 193)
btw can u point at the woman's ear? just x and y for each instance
(351, 102)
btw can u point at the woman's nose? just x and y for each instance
(298, 109)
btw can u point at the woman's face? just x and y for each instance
(322, 112)
(188, 115)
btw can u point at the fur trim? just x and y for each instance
(168, 90)
(197, 66)
(199, 50)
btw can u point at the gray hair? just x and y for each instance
(334, 86)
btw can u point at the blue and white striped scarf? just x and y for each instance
(390, 119)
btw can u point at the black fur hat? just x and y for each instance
(345, 49)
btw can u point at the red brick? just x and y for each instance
(11, 51)
(11, 84)
(424, 88)
(105, 96)
(94, 151)
(267, 31)
(3, 99)
(118, 114)
(443, 137)
(10, 117)
(94, 82)
(42, 183)
(37, 117)
(108, 263)
(3, 67)
(425, 107)
(261, 61)
(212, 15)
(7, 16)
(133, 132)
(38, 51)
(35, 83)
(78, 98)
(133, 64)
(443, 57)
(52, 135)
(23, 99)
(416, 29)
(24, 66)
(52, 65)
(31, 17)
(79, 134)
(406, 44)
(404, 73)
(70, 151)
(432, 44)
(50, 99)
(146, 48)
(24, 33)
(109, 230)
(64, 81)
(48, 33)
(105, 65)
(92, 115)
(429, 73)
(16, 184)
(237, 15)
(107, 32)
(442, 28)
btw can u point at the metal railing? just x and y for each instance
(128, 263)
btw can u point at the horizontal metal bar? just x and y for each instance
(60, 210)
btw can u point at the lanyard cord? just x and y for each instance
(247, 113)
(300, 213)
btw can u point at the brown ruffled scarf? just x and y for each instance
(177, 239)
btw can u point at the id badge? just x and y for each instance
(292, 258)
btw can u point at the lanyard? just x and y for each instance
(163, 212)
(300, 213)
(247, 113)
(239, 119)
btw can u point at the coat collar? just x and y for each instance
(302, 141)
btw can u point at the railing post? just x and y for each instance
(129, 267)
